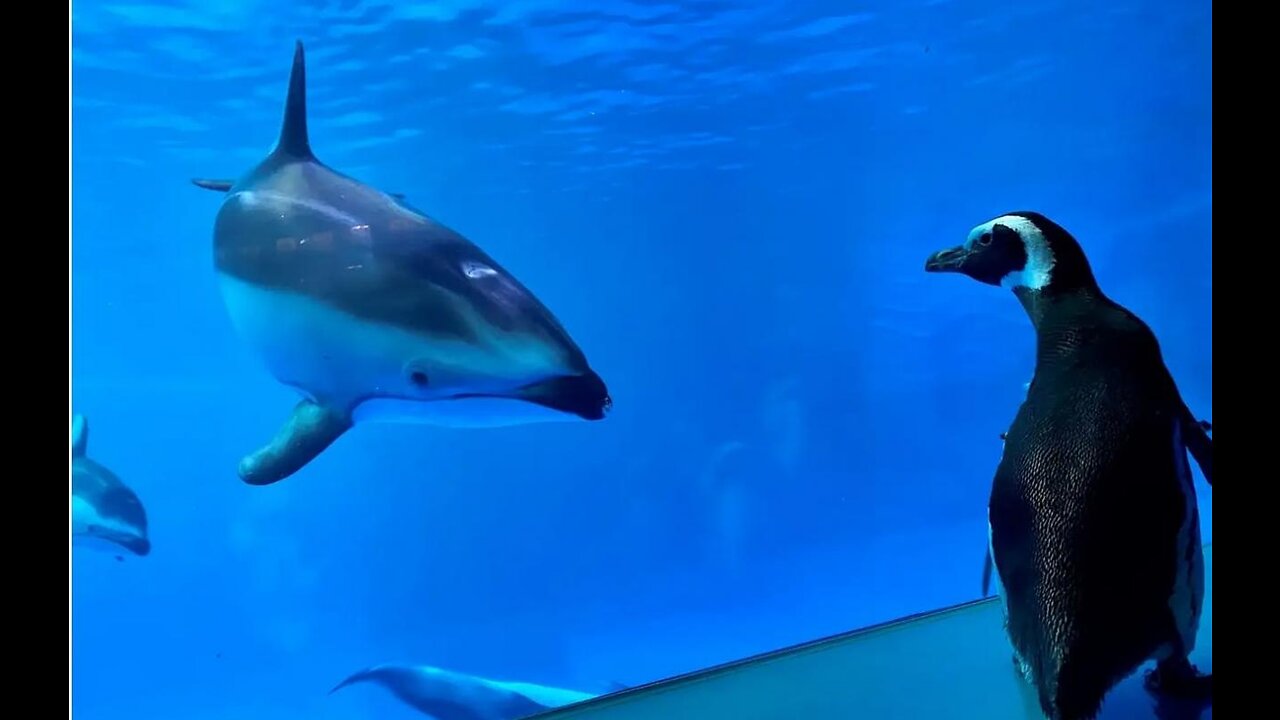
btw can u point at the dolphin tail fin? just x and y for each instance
(79, 435)
(362, 676)
(293, 140)
(309, 430)
(211, 184)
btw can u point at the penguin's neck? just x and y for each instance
(1058, 316)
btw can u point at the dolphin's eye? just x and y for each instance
(418, 378)
(985, 239)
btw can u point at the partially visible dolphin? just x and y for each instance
(448, 695)
(374, 311)
(105, 513)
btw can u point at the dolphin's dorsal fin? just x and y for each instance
(216, 185)
(79, 435)
(293, 140)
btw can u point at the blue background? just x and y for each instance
(727, 204)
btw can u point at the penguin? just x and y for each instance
(1093, 524)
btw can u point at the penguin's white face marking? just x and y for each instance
(1008, 251)
(1037, 271)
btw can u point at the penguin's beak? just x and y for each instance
(949, 260)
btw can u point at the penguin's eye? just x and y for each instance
(985, 239)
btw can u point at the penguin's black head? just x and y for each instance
(1019, 250)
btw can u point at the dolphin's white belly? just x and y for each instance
(95, 544)
(336, 358)
(84, 517)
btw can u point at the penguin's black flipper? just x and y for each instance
(1199, 444)
(986, 573)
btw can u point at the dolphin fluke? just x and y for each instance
(361, 676)
(294, 141)
(309, 430)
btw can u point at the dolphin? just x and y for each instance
(105, 513)
(374, 311)
(448, 695)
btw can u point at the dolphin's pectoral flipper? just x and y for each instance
(1195, 434)
(209, 184)
(310, 429)
(225, 186)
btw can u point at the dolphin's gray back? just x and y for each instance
(297, 225)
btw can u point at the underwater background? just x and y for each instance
(727, 204)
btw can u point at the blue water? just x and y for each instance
(727, 204)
